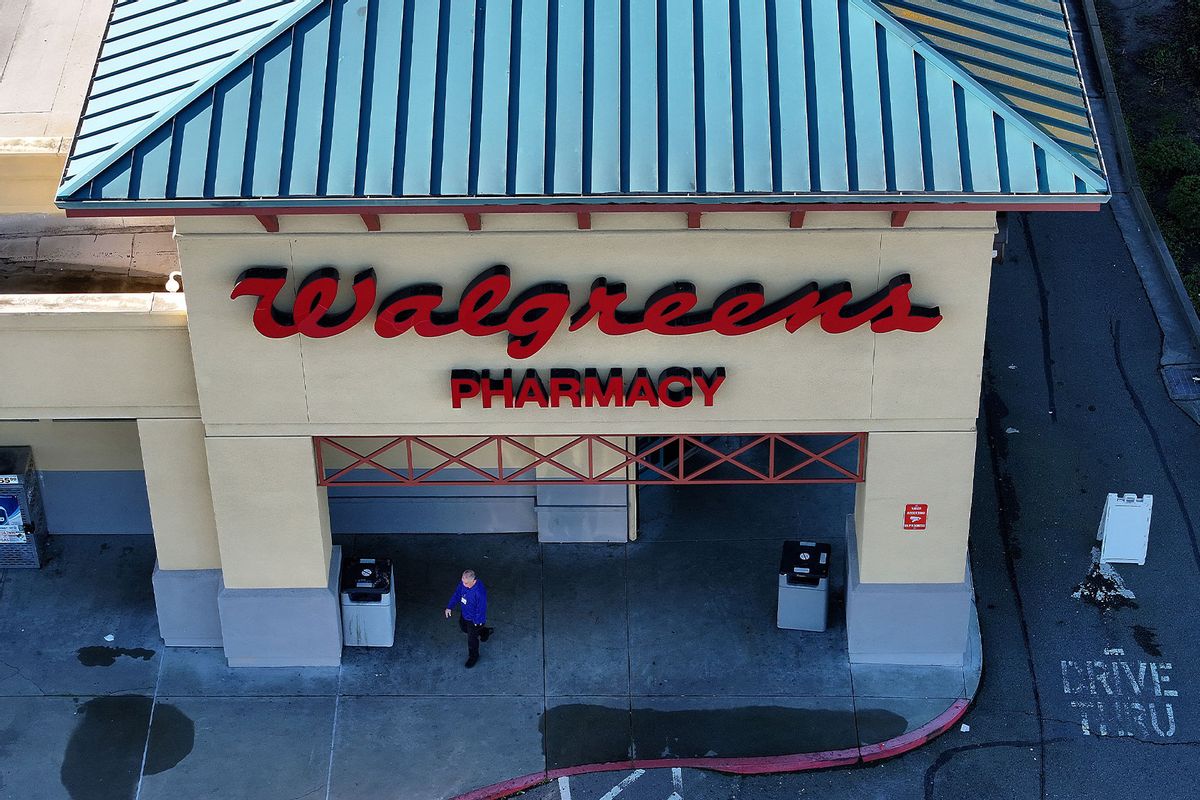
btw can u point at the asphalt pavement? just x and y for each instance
(1079, 699)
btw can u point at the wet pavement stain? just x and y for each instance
(1147, 639)
(171, 740)
(101, 656)
(589, 734)
(104, 753)
(1103, 588)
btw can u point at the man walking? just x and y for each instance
(471, 599)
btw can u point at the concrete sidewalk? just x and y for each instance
(663, 648)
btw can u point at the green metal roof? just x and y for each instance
(1020, 50)
(155, 55)
(355, 103)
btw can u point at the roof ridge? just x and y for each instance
(166, 113)
(970, 83)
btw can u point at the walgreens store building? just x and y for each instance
(497, 267)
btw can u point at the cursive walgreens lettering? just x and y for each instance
(534, 316)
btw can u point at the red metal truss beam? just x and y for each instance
(488, 468)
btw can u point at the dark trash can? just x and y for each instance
(368, 602)
(804, 586)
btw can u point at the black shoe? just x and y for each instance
(471, 661)
(485, 634)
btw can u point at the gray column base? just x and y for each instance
(903, 623)
(284, 627)
(574, 513)
(186, 602)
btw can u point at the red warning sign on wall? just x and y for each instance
(915, 516)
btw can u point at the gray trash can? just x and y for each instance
(368, 602)
(804, 586)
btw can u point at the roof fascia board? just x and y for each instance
(971, 84)
(502, 205)
(303, 7)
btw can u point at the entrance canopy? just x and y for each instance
(369, 105)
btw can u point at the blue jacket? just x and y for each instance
(472, 603)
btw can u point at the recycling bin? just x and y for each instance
(368, 593)
(804, 586)
(22, 517)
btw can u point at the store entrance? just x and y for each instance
(664, 645)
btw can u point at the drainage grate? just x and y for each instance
(1183, 381)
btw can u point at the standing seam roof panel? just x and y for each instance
(524, 98)
(639, 112)
(869, 167)
(753, 131)
(179, 45)
(603, 154)
(454, 114)
(527, 145)
(1014, 44)
(491, 132)
(677, 98)
(714, 98)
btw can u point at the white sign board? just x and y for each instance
(1125, 528)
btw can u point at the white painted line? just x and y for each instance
(677, 779)
(1114, 651)
(623, 785)
(162, 659)
(564, 788)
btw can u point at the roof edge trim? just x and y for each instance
(554, 205)
(68, 188)
(972, 84)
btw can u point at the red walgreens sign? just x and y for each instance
(915, 516)
(535, 315)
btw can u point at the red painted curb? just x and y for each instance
(798, 762)
(506, 788)
(914, 739)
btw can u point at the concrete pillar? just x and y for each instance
(187, 574)
(576, 512)
(932, 469)
(278, 599)
(909, 595)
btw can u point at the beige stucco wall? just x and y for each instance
(47, 53)
(77, 445)
(29, 173)
(359, 384)
(934, 468)
(177, 484)
(272, 518)
(96, 356)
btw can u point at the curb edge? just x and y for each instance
(799, 762)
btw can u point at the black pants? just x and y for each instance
(472, 630)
